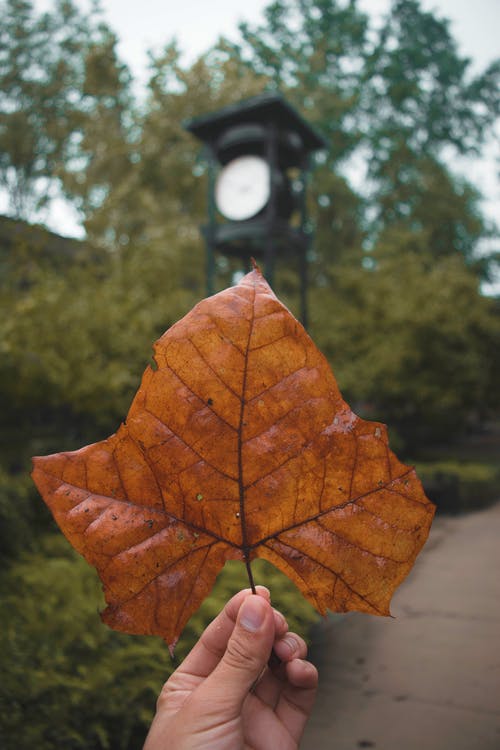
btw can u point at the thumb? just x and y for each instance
(246, 655)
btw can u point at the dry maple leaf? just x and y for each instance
(237, 446)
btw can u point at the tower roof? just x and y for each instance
(268, 107)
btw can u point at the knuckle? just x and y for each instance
(296, 707)
(239, 656)
(172, 691)
(163, 698)
(301, 647)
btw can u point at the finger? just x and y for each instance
(290, 646)
(280, 623)
(271, 683)
(246, 655)
(208, 651)
(297, 697)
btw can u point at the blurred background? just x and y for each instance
(102, 191)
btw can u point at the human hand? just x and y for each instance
(224, 696)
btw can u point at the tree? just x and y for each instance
(420, 90)
(421, 103)
(74, 341)
(43, 74)
(413, 342)
(314, 51)
(97, 175)
(396, 99)
(440, 211)
(170, 165)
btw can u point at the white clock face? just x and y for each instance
(243, 187)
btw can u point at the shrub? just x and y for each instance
(71, 682)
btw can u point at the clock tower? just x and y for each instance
(258, 161)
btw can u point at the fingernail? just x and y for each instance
(290, 643)
(263, 591)
(252, 613)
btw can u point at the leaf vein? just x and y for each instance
(179, 437)
(136, 506)
(333, 509)
(196, 395)
(157, 575)
(358, 546)
(334, 572)
(216, 374)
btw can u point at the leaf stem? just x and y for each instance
(249, 573)
(241, 486)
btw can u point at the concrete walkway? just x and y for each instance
(429, 679)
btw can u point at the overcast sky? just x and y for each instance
(150, 24)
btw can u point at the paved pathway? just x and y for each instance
(429, 679)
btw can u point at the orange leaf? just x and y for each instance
(237, 446)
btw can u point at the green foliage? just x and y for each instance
(394, 290)
(412, 344)
(468, 471)
(458, 486)
(43, 100)
(69, 681)
(66, 676)
(20, 511)
(438, 211)
(415, 61)
(314, 51)
(395, 98)
(100, 168)
(73, 346)
(169, 198)
(285, 597)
